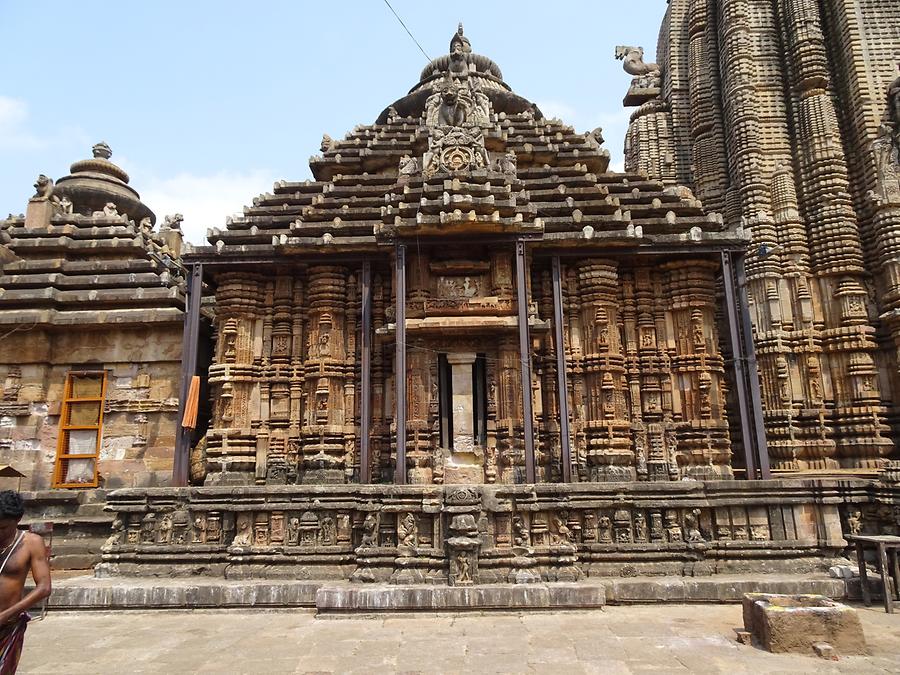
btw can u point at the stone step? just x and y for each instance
(149, 593)
(327, 597)
(385, 598)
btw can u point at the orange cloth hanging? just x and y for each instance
(189, 421)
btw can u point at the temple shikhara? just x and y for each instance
(467, 352)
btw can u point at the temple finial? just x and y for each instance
(460, 42)
(101, 150)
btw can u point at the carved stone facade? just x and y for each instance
(465, 535)
(783, 117)
(458, 174)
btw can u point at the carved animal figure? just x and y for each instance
(115, 538)
(370, 530)
(633, 61)
(44, 189)
(408, 165)
(174, 221)
(507, 163)
(408, 531)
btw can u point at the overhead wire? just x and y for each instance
(408, 32)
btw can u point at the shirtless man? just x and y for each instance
(19, 552)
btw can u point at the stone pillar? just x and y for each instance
(465, 464)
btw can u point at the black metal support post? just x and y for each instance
(562, 381)
(746, 377)
(365, 394)
(749, 353)
(525, 360)
(400, 362)
(191, 336)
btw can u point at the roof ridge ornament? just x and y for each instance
(647, 80)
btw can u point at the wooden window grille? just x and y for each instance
(80, 430)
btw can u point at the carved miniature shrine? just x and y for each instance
(465, 353)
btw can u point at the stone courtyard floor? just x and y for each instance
(624, 639)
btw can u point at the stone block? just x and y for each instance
(37, 213)
(394, 598)
(825, 651)
(795, 623)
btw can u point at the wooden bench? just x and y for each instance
(884, 545)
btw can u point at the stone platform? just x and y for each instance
(81, 593)
(495, 534)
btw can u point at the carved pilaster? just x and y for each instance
(323, 433)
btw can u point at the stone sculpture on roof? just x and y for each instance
(43, 187)
(647, 76)
(457, 103)
(633, 61)
(457, 112)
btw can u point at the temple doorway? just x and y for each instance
(462, 397)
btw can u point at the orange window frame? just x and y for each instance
(63, 456)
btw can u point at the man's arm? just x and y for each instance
(40, 572)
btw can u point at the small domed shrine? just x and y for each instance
(91, 310)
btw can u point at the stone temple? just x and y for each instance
(468, 353)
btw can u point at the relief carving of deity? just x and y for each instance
(457, 103)
(886, 150)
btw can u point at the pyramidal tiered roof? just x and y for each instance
(461, 153)
(87, 253)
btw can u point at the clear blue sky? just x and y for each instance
(207, 103)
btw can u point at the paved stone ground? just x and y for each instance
(663, 638)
